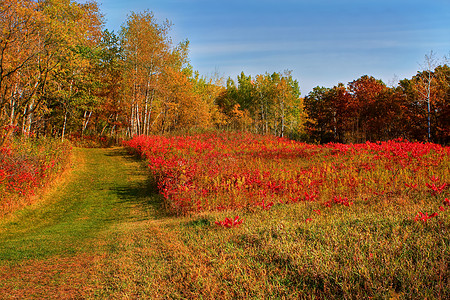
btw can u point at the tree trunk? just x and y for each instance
(64, 126)
(85, 121)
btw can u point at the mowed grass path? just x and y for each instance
(74, 242)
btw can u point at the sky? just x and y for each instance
(323, 42)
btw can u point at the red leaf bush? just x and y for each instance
(228, 223)
(26, 165)
(218, 171)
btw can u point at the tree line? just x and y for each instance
(417, 109)
(62, 74)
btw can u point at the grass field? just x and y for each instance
(106, 233)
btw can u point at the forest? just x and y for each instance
(62, 74)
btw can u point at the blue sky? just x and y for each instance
(323, 42)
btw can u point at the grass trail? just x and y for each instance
(56, 246)
(71, 218)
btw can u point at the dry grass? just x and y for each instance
(105, 235)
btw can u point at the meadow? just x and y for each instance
(232, 216)
(290, 219)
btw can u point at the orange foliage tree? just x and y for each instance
(38, 48)
(160, 91)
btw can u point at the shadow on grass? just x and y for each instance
(122, 152)
(142, 191)
(145, 197)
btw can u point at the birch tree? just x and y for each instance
(425, 80)
(146, 46)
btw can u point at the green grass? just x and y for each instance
(75, 222)
(67, 219)
(104, 234)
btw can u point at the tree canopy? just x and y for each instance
(62, 74)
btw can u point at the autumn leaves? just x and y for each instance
(235, 171)
(41, 67)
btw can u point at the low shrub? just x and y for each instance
(27, 165)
